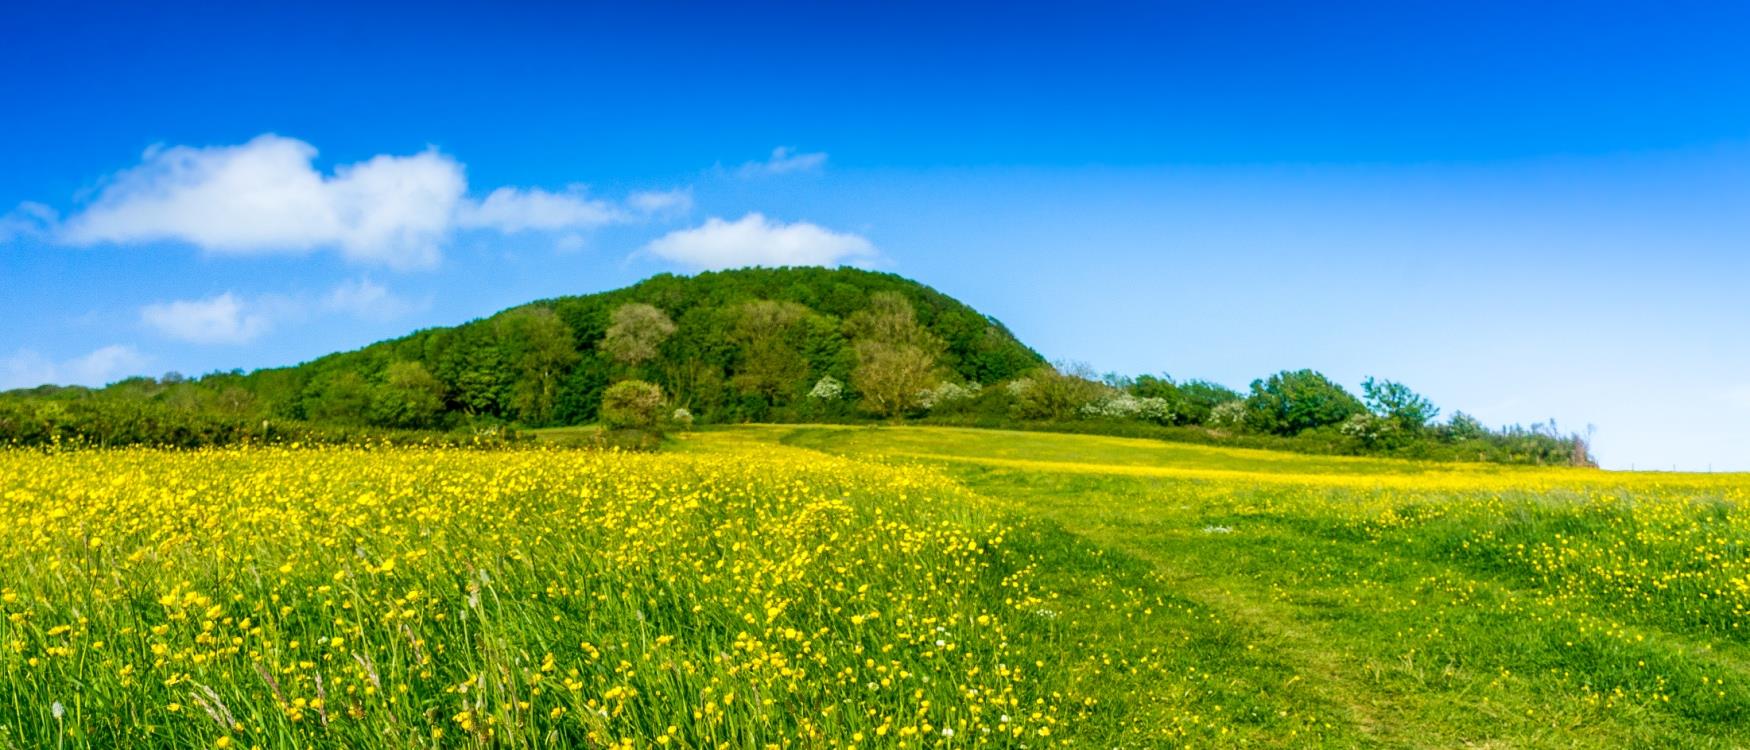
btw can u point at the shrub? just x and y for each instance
(1055, 393)
(1395, 401)
(828, 388)
(1120, 405)
(947, 394)
(631, 404)
(1227, 416)
(1291, 402)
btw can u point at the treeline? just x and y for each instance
(791, 344)
(1300, 410)
(69, 418)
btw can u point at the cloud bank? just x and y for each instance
(267, 197)
(754, 240)
(231, 319)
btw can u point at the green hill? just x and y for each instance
(728, 346)
(750, 345)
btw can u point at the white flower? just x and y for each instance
(56, 710)
(946, 393)
(828, 388)
(1121, 405)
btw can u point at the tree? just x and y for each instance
(471, 362)
(636, 332)
(631, 404)
(1395, 401)
(1290, 402)
(1056, 393)
(338, 397)
(1462, 426)
(410, 397)
(896, 357)
(1198, 400)
(543, 352)
(1149, 386)
(891, 376)
(770, 365)
(890, 318)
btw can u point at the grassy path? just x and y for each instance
(1281, 627)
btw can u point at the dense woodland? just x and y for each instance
(790, 344)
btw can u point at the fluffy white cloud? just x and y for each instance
(784, 160)
(754, 240)
(516, 210)
(27, 368)
(265, 196)
(230, 319)
(223, 319)
(104, 366)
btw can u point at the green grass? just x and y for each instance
(838, 587)
(1250, 598)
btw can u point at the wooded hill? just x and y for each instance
(727, 346)
(784, 345)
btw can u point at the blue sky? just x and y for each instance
(1526, 213)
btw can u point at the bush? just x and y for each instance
(631, 404)
(1055, 393)
(1289, 403)
(1230, 415)
(1120, 405)
(947, 396)
(828, 388)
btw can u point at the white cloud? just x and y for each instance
(662, 201)
(570, 243)
(266, 197)
(223, 319)
(29, 219)
(104, 365)
(231, 319)
(511, 210)
(784, 160)
(28, 369)
(366, 299)
(755, 240)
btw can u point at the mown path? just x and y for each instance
(1278, 629)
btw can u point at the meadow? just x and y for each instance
(864, 587)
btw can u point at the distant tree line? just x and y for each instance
(793, 344)
(1299, 410)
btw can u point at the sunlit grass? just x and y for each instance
(405, 597)
(813, 587)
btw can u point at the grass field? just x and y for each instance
(864, 587)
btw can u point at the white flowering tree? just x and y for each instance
(828, 388)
